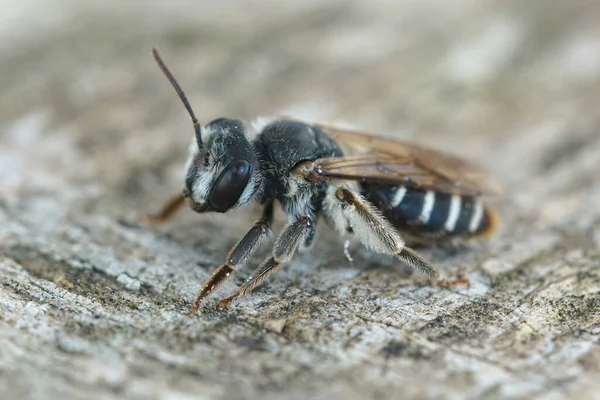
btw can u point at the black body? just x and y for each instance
(282, 145)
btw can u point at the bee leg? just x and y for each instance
(166, 212)
(238, 255)
(376, 233)
(347, 252)
(283, 250)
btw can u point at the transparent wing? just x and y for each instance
(375, 159)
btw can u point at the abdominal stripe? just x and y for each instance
(428, 212)
(453, 213)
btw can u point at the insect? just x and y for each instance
(381, 190)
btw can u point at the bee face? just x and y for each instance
(224, 173)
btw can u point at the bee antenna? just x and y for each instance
(184, 100)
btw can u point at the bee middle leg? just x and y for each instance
(237, 256)
(375, 232)
(283, 250)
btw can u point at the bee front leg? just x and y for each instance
(285, 246)
(171, 207)
(374, 231)
(240, 253)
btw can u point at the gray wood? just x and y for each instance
(93, 305)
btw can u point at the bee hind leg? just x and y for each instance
(374, 231)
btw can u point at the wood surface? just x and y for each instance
(95, 305)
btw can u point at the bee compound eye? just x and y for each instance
(230, 185)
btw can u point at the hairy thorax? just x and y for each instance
(281, 146)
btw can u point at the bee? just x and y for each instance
(383, 191)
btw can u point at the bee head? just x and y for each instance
(223, 173)
(222, 169)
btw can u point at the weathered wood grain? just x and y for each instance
(95, 306)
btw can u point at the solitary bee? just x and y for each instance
(383, 191)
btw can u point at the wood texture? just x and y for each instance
(94, 305)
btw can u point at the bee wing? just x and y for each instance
(381, 160)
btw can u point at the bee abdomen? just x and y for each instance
(434, 214)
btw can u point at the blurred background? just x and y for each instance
(508, 84)
(91, 133)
